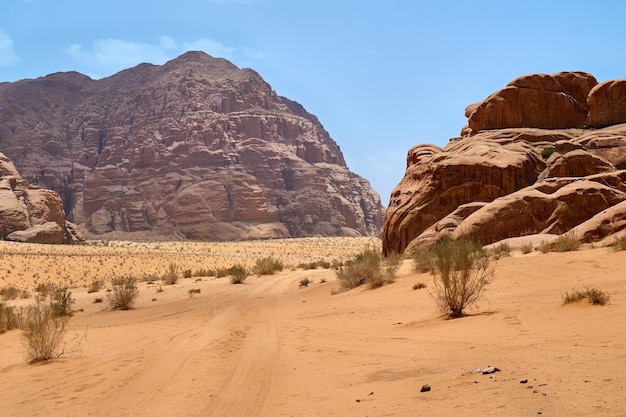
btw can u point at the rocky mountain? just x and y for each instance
(544, 155)
(196, 148)
(30, 213)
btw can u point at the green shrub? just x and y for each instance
(124, 293)
(44, 331)
(267, 266)
(462, 271)
(237, 273)
(547, 151)
(593, 295)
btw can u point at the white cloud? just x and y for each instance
(8, 56)
(112, 55)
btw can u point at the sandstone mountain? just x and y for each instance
(544, 155)
(196, 148)
(30, 213)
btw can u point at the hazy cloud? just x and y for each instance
(8, 56)
(115, 54)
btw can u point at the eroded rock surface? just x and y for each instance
(545, 155)
(196, 148)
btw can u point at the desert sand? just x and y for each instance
(270, 348)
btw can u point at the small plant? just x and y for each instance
(620, 243)
(193, 291)
(61, 301)
(462, 272)
(304, 282)
(9, 319)
(547, 151)
(314, 265)
(237, 273)
(187, 273)
(44, 331)
(501, 250)
(422, 256)
(368, 267)
(419, 286)
(564, 243)
(593, 295)
(95, 286)
(171, 276)
(527, 248)
(267, 266)
(9, 293)
(123, 294)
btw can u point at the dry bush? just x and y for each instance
(44, 331)
(237, 273)
(171, 276)
(9, 293)
(592, 294)
(314, 265)
(368, 267)
(95, 286)
(527, 248)
(267, 266)
(61, 301)
(462, 271)
(193, 291)
(422, 256)
(419, 286)
(564, 243)
(304, 282)
(501, 250)
(620, 243)
(9, 319)
(123, 294)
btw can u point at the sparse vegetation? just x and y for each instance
(187, 273)
(620, 243)
(419, 286)
(171, 276)
(462, 271)
(501, 250)
(592, 294)
(314, 265)
(422, 256)
(124, 293)
(9, 293)
(61, 301)
(527, 248)
(267, 266)
(9, 319)
(564, 243)
(193, 291)
(237, 273)
(367, 267)
(547, 152)
(44, 331)
(304, 282)
(95, 286)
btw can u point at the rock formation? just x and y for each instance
(546, 154)
(196, 148)
(30, 213)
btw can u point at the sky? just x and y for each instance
(380, 75)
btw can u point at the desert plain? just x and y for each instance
(270, 347)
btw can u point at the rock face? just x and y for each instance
(29, 213)
(545, 155)
(196, 148)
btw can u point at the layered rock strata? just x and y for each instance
(546, 154)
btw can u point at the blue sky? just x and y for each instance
(381, 76)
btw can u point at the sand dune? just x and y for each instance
(270, 348)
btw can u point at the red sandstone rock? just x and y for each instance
(196, 148)
(607, 104)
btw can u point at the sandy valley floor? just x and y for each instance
(270, 348)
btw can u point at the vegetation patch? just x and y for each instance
(267, 266)
(124, 293)
(592, 294)
(368, 267)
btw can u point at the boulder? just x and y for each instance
(607, 104)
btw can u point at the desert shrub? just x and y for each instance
(564, 243)
(620, 243)
(171, 276)
(367, 267)
(44, 331)
(95, 285)
(498, 251)
(392, 263)
(462, 271)
(314, 265)
(592, 294)
(9, 319)
(336, 264)
(204, 272)
(61, 301)
(44, 288)
(547, 151)
(304, 282)
(221, 272)
(187, 273)
(237, 273)
(527, 248)
(419, 286)
(124, 293)
(9, 293)
(422, 256)
(267, 266)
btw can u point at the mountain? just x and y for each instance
(544, 155)
(196, 148)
